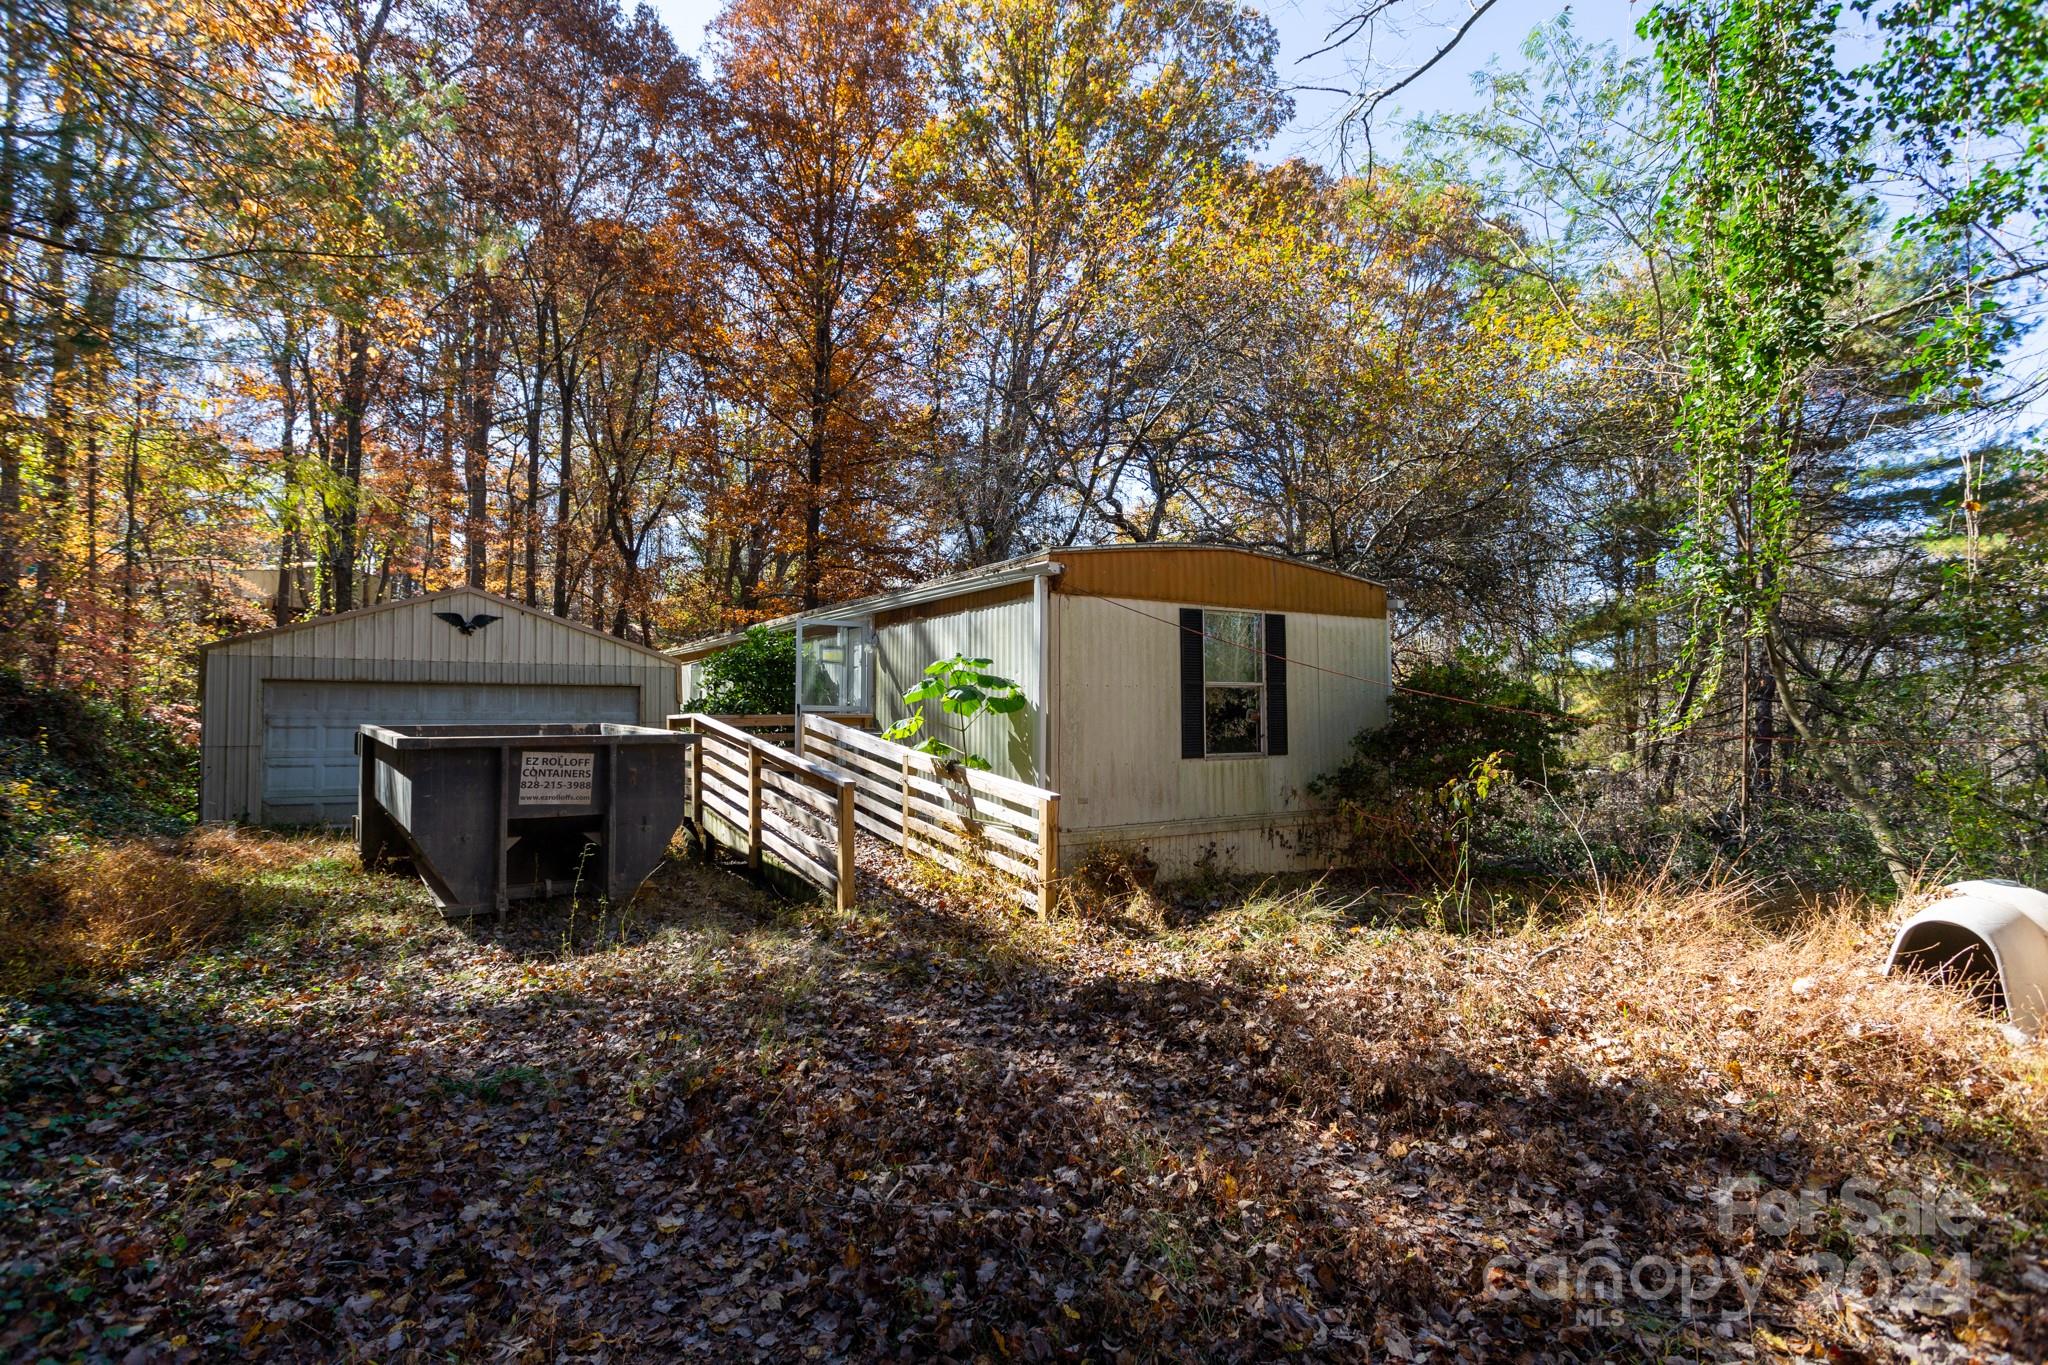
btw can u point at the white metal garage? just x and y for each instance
(280, 708)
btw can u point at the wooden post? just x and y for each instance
(845, 899)
(697, 790)
(754, 806)
(501, 901)
(1041, 618)
(1048, 853)
(906, 803)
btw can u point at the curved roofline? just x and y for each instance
(974, 580)
(1276, 557)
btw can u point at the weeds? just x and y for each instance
(497, 1085)
(72, 767)
(1312, 918)
(103, 910)
(1115, 885)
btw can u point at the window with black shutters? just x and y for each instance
(1233, 684)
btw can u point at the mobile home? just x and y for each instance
(1182, 698)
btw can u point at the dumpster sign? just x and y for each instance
(556, 779)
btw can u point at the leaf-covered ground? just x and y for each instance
(716, 1125)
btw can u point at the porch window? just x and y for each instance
(836, 668)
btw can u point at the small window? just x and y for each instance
(836, 660)
(1233, 683)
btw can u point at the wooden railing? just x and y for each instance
(776, 729)
(958, 818)
(798, 811)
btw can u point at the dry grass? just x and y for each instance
(1709, 987)
(1308, 1118)
(1792, 1011)
(1640, 1045)
(102, 910)
(1115, 886)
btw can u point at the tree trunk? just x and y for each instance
(131, 567)
(480, 376)
(10, 355)
(91, 597)
(1669, 787)
(102, 308)
(367, 31)
(814, 454)
(320, 448)
(287, 455)
(62, 212)
(1846, 777)
(531, 525)
(444, 487)
(348, 465)
(565, 393)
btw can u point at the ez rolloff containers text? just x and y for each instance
(489, 814)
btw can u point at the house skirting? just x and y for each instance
(1284, 841)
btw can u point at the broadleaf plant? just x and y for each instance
(964, 688)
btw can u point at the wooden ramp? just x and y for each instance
(803, 809)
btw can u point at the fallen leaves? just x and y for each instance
(714, 1125)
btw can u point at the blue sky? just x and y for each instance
(1303, 26)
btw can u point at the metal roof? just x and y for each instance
(1038, 562)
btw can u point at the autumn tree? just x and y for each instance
(154, 153)
(1067, 141)
(1339, 370)
(575, 121)
(820, 234)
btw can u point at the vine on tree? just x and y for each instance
(1763, 204)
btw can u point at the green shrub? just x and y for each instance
(1446, 718)
(71, 765)
(754, 677)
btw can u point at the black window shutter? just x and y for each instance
(1191, 745)
(1276, 684)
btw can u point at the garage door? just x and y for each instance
(309, 760)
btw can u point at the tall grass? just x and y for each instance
(101, 910)
(1706, 989)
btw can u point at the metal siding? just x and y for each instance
(1265, 845)
(401, 644)
(213, 690)
(1118, 717)
(657, 695)
(1005, 634)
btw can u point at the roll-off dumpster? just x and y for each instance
(494, 813)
